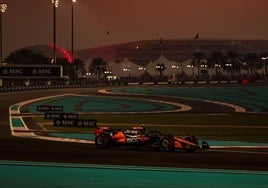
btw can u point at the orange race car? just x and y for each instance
(137, 137)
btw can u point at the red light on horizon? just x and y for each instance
(64, 53)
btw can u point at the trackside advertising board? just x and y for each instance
(90, 123)
(49, 108)
(31, 71)
(61, 116)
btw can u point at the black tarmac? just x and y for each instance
(30, 149)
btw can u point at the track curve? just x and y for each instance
(27, 149)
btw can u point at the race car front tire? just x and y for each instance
(103, 141)
(166, 143)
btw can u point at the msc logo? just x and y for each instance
(42, 72)
(75, 123)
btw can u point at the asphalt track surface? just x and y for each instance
(28, 149)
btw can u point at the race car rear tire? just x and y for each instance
(154, 135)
(166, 143)
(103, 141)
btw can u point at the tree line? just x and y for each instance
(230, 62)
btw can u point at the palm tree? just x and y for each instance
(98, 66)
(216, 60)
(251, 63)
(264, 60)
(196, 61)
(233, 63)
(79, 67)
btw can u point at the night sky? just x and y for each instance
(102, 22)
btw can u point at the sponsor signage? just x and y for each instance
(60, 116)
(49, 108)
(90, 123)
(30, 71)
(87, 123)
(52, 116)
(64, 123)
(69, 116)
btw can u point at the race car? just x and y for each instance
(137, 137)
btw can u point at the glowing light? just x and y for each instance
(159, 67)
(63, 52)
(55, 2)
(175, 66)
(73, 1)
(3, 7)
(107, 72)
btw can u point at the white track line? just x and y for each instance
(182, 107)
(240, 147)
(23, 131)
(240, 151)
(235, 107)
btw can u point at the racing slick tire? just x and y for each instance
(166, 143)
(103, 141)
(154, 135)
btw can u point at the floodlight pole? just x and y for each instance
(55, 4)
(3, 7)
(72, 47)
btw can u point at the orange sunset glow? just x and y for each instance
(103, 22)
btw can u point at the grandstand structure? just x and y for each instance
(134, 59)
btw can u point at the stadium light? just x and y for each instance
(55, 4)
(3, 8)
(73, 2)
